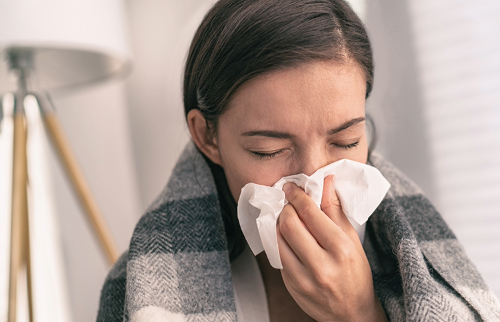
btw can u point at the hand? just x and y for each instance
(325, 268)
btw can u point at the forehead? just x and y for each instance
(309, 96)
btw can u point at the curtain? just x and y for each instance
(457, 46)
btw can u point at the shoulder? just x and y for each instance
(112, 301)
(424, 253)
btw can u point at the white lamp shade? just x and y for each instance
(74, 42)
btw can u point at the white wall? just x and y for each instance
(396, 101)
(161, 34)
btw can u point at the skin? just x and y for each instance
(291, 121)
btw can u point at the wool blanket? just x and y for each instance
(177, 267)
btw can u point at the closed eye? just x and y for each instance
(270, 155)
(347, 146)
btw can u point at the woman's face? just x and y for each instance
(293, 121)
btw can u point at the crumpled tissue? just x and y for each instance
(360, 189)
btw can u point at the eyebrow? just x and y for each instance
(346, 125)
(270, 134)
(284, 135)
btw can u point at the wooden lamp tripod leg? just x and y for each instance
(77, 179)
(19, 247)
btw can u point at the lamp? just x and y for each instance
(55, 45)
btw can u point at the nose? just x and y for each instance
(312, 160)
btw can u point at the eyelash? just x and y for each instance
(267, 155)
(347, 146)
(275, 154)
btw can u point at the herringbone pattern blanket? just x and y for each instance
(177, 267)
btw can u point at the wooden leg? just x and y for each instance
(19, 211)
(27, 258)
(80, 186)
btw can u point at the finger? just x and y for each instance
(295, 274)
(330, 202)
(326, 232)
(289, 260)
(297, 237)
(331, 206)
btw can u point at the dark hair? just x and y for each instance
(240, 39)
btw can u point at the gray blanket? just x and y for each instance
(177, 266)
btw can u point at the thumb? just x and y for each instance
(330, 203)
(331, 206)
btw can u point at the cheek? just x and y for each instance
(239, 173)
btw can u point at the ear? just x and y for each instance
(202, 137)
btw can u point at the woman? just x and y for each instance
(274, 88)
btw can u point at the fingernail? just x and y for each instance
(287, 188)
(331, 186)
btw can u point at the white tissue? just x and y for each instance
(360, 189)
